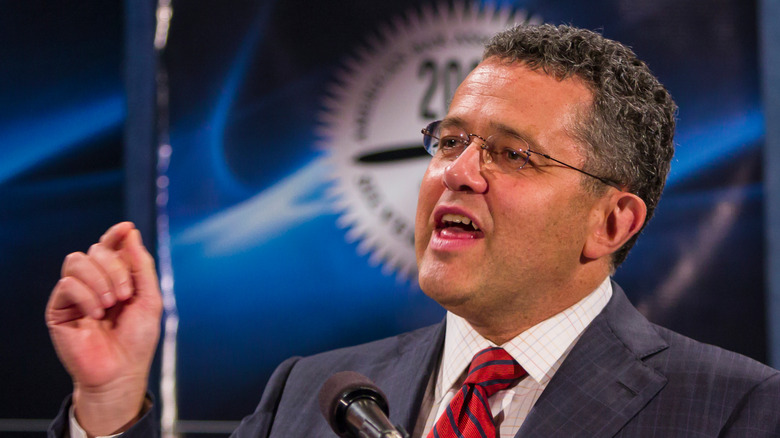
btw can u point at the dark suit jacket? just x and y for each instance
(624, 378)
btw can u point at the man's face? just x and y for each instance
(532, 223)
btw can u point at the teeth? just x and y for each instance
(458, 219)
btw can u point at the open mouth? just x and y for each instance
(458, 226)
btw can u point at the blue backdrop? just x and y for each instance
(62, 109)
(290, 185)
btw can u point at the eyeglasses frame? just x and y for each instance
(485, 145)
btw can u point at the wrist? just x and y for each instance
(108, 411)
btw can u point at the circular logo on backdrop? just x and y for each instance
(400, 81)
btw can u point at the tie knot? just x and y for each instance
(494, 369)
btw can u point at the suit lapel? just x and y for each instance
(603, 382)
(405, 379)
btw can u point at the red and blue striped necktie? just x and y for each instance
(468, 414)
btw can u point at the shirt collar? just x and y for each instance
(539, 350)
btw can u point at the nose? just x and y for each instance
(464, 174)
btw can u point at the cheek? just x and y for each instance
(430, 192)
(550, 227)
(528, 222)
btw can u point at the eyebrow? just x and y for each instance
(453, 121)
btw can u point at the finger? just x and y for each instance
(81, 267)
(115, 235)
(115, 268)
(141, 264)
(70, 300)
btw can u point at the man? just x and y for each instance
(550, 161)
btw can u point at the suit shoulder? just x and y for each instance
(368, 355)
(692, 358)
(713, 389)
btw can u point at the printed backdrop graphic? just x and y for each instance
(295, 130)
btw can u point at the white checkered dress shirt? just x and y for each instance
(540, 350)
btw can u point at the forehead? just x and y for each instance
(536, 105)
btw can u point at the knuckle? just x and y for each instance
(74, 256)
(94, 248)
(63, 288)
(63, 283)
(70, 261)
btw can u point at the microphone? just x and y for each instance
(356, 408)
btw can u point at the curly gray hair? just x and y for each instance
(629, 129)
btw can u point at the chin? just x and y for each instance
(447, 290)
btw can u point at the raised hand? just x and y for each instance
(104, 320)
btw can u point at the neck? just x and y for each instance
(507, 320)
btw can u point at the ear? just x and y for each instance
(615, 218)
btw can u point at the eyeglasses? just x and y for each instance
(507, 152)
